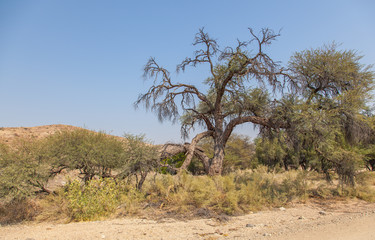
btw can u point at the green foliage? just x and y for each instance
(346, 164)
(325, 73)
(94, 154)
(325, 116)
(235, 193)
(270, 152)
(26, 169)
(23, 171)
(175, 161)
(96, 199)
(369, 156)
(98, 154)
(140, 158)
(239, 153)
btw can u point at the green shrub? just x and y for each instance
(235, 193)
(98, 198)
(54, 207)
(23, 171)
(295, 185)
(175, 161)
(365, 193)
(140, 158)
(94, 154)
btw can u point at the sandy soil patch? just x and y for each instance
(316, 220)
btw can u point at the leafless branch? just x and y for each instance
(167, 91)
(202, 55)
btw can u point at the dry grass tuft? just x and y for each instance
(18, 211)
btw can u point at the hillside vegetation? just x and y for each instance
(104, 176)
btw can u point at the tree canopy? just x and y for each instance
(326, 114)
(236, 93)
(318, 117)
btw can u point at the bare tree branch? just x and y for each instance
(167, 92)
(202, 55)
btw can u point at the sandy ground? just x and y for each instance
(331, 220)
(13, 135)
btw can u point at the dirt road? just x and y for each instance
(332, 220)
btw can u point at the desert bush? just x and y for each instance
(140, 158)
(98, 155)
(132, 201)
(17, 210)
(234, 193)
(199, 191)
(23, 171)
(363, 192)
(93, 153)
(262, 188)
(93, 200)
(54, 207)
(364, 189)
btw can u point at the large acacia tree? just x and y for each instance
(329, 120)
(237, 93)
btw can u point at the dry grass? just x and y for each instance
(53, 207)
(18, 211)
(187, 196)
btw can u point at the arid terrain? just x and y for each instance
(11, 135)
(331, 220)
(316, 219)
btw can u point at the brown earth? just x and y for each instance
(12, 135)
(316, 220)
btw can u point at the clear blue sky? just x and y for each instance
(80, 62)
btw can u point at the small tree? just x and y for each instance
(94, 154)
(232, 97)
(140, 158)
(23, 171)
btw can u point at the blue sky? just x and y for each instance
(80, 62)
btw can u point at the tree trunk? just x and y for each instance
(142, 180)
(216, 166)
